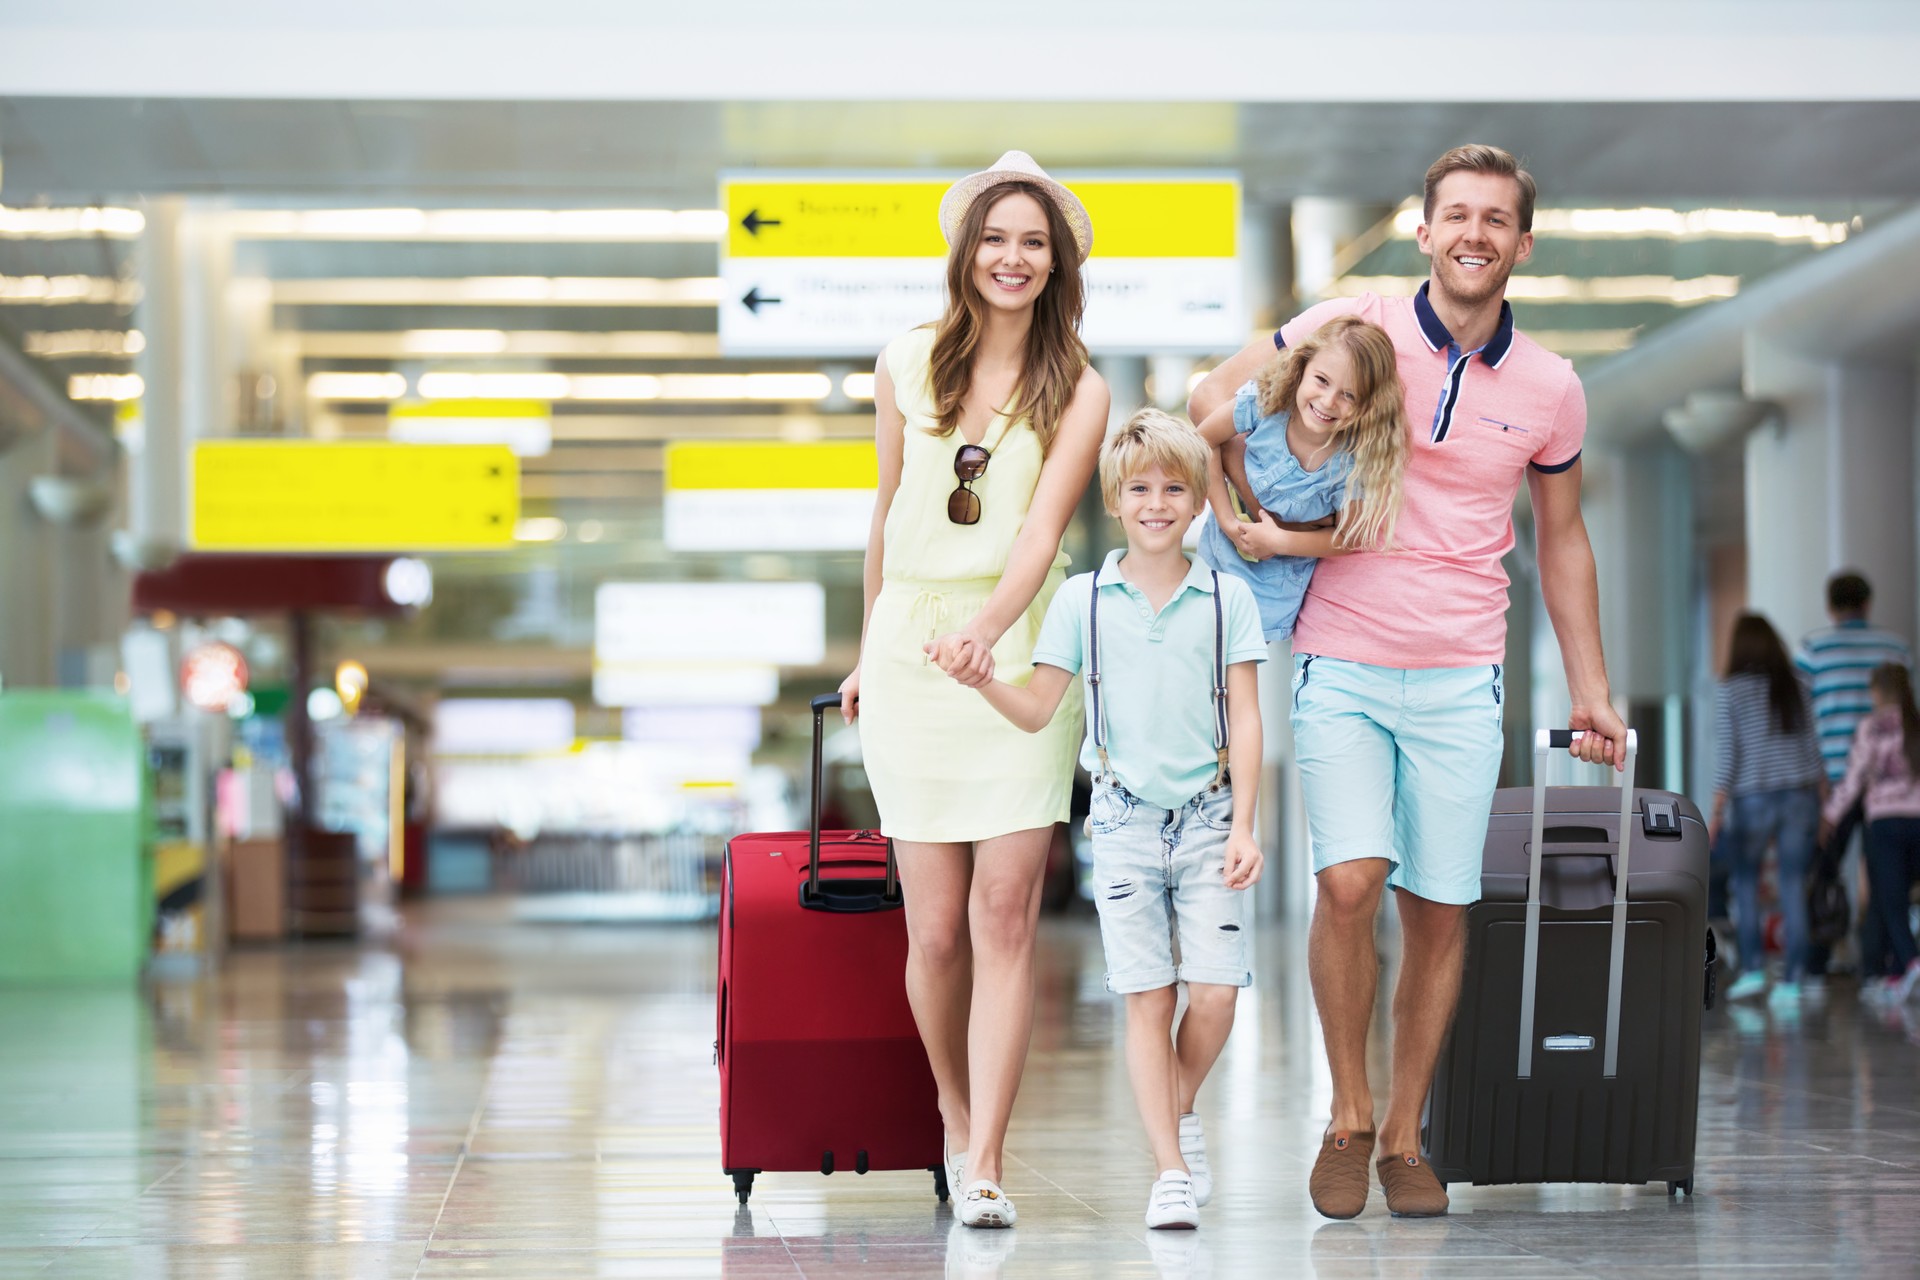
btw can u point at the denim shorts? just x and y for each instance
(1160, 874)
(1399, 764)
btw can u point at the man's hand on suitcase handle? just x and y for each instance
(1600, 735)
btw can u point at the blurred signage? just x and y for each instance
(306, 495)
(213, 675)
(735, 727)
(820, 264)
(769, 496)
(685, 684)
(502, 726)
(524, 426)
(769, 623)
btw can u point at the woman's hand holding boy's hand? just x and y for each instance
(1244, 861)
(964, 656)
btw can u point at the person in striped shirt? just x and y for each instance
(1834, 663)
(1767, 791)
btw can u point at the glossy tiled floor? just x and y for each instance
(481, 1098)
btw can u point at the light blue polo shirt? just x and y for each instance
(1156, 673)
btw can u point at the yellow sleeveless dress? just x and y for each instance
(944, 765)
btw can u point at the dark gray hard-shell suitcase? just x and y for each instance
(1575, 1055)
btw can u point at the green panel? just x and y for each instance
(74, 898)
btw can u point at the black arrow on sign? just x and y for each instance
(753, 301)
(753, 222)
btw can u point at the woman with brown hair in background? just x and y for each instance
(1767, 790)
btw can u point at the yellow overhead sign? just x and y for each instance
(305, 495)
(755, 464)
(815, 218)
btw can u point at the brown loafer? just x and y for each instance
(1339, 1183)
(1412, 1189)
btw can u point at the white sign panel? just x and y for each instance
(777, 623)
(840, 265)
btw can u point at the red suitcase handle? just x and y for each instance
(852, 895)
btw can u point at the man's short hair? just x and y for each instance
(1848, 592)
(1480, 158)
(1151, 438)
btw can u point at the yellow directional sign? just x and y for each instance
(765, 464)
(826, 218)
(303, 495)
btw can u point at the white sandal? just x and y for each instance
(986, 1205)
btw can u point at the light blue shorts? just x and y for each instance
(1399, 765)
(1159, 874)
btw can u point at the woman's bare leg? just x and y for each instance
(935, 879)
(1003, 914)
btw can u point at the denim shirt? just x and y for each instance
(1291, 493)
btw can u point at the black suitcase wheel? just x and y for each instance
(940, 1182)
(1682, 1187)
(743, 1183)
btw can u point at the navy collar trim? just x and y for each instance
(1438, 338)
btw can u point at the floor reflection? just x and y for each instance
(475, 1097)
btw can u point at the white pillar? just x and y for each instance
(1870, 491)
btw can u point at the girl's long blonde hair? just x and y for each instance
(1055, 356)
(1374, 436)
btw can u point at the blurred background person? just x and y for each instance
(1767, 791)
(1883, 775)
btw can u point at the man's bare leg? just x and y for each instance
(1433, 948)
(1345, 971)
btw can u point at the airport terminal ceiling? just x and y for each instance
(333, 300)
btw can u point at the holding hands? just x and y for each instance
(965, 656)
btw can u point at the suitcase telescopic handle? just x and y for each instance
(821, 704)
(1545, 742)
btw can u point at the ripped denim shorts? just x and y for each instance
(1159, 875)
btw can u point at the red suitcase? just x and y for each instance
(821, 1065)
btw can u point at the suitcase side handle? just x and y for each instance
(1544, 742)
(810, 895)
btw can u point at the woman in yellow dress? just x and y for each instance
(988, 425)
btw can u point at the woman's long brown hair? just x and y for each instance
(1756, 650)
(1056, 356)
(1892, 682)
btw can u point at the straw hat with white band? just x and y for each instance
(1015, 166)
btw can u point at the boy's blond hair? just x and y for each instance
(1151, 438)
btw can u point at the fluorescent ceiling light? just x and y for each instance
(591, 225)
(65, 290)
(540, 529)
(105, 386)
(504, 386)
(614, 386)
(70, 224)
(541, 343)
(1550, 289)
(1667, 224)
(505, 291)
(66, 343)
(857, 386)
(356, 386)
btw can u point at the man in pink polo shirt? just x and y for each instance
(1397, 692)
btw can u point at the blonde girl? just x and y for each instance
(988, 426)
(1326, 446)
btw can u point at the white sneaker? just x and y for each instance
(1193, 1150)
(986, 1205)
(956, 1163)
(1171, 1206)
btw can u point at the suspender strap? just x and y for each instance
(1097, 722)
(1219, 684)
(1096, 713)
